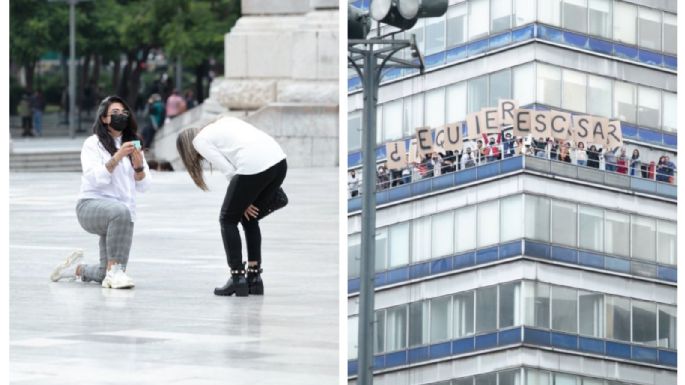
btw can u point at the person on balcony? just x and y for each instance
(635, 164)
(581, 154)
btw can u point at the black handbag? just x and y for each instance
(278, 201)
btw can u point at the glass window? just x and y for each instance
(564, 223)
(509, 309)
(486, 309)
(443, 234)
(575, 15)
(486, 379)
(592, 381)
(643, 237)
(591, 228)
(591, 308)
(353, 255)
(399, 245)
(456, 25)
(625, 22)
(537, 377)
(392, 120)
(440, 322)
(354, 131)
(435, 35)
(625, 99)
(396, 328)
(463, 314)
(617, 234)
(564, 379)
(478, 93)
(574, 91)
(500, 13)
(549, 11)
(541, 305)
(549, 84)
(510, 377)
(478, 11)
(381, 249)
(488, 223)
(670, 33)
(618, 318)
(649, 107)
(456, 102)
(421, 239)
(413, 114)
(465, 220)
(500, 87)
(524, 84)
(649, 27)
(667, 327)
(666, 243)
(670, 112)
(523, 12)
(463, 381)
(418, 323)
(435, 108)
(537, 218)
(564, 309)
(599, 96)
(510, 218)
(379, 331)
(352, 337)
(600, 18)
(644, 322)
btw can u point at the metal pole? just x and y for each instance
(366, 292)
(72, 67)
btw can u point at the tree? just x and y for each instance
(196, 34)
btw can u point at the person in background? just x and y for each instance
(37, 107)
(175, 105)
(24, 110)
(437, 162)
(622, 162)
(565, 152)
(382, 178)
(539, 147)
(449, 161)
(154, 112)
(509, 145)
(492, 151)
(610, 159)
(593, 156)
(396, 178)
(581, 154)
(190, 99)
(406, 173)
(479, 153)
(468, 160)
(635, 164)
(353, 183)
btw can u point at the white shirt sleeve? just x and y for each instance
(144, 184)
(93, 165)
(214, 156)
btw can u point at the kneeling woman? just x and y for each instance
(255, 166)
(114, 169)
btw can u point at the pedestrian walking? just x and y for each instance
(24, 110)
(175, 105)
(114, 170)
(37, 107)
(255, 166)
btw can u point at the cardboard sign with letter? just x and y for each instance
(582, 129)
(615, 135)
(453, 140)
(476, 124)
(522, 119)
(560, 125)
(505, 111)
(397, 155)
(491, 120)
(424, 140)
(540, 124)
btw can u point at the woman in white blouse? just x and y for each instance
(255, 167)
(114, 169)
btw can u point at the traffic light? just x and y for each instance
(358, 23)
(403, 14)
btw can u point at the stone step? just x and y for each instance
(46, 162)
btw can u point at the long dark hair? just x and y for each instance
(100, 129)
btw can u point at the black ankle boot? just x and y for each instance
(236, 284)
(254, 280)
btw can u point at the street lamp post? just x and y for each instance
(369, 57)
(72, 63)
(364, 51)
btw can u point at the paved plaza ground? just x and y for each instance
(171, 329)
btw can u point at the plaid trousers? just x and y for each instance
(111, 220)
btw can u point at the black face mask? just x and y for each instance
(118, 122)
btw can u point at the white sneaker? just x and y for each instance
(67, 269)
(116, 278)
